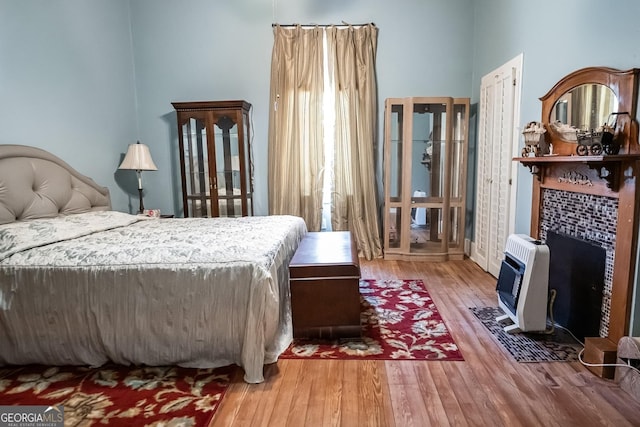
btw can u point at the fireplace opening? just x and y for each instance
(577, 273)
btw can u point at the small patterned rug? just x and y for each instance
(120, 395)
(530, 347)
(399, 322)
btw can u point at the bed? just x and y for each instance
(81, 284)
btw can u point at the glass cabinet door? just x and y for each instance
(247, 163)
(458, 166)
(430, 130)
(227, 161)
(196, 168)
(394, 153)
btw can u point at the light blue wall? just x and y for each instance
(75, 75)
(557, 38)
(66, 84)
(205, 50)
(575, 34)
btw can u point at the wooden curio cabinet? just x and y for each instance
(215, 158)
(425, 148)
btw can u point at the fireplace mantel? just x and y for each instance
(607, 166)
(602, 159)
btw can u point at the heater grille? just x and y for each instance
(519, 247)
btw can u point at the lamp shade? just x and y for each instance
(138, 158)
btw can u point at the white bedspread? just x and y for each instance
(106, 286)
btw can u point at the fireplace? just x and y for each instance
(594, 197)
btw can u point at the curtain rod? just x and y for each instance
(344, 24)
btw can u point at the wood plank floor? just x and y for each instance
(488, 388)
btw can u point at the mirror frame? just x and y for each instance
(624, 85)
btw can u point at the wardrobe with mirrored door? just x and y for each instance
(425, 170)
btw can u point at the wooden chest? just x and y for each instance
(325, 294)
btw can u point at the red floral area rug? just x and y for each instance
(399, 322)
(120, 395)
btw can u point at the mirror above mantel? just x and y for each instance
(589, 98)
(585, 107)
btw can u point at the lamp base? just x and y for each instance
(141, 204)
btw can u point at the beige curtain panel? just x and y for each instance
(354, 204)
(296, 158)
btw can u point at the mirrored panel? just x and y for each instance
(194, 135)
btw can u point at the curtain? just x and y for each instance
(351, 53)
(296, 151)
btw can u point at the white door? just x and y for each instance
(498, 141)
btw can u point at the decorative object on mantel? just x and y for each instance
(567, 132)
(534, 142)
(610, 142)
(589, 142)
(603, 139)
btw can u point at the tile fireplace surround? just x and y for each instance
(588, 217)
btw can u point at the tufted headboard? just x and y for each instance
(36, 184)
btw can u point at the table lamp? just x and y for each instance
(138, 158)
